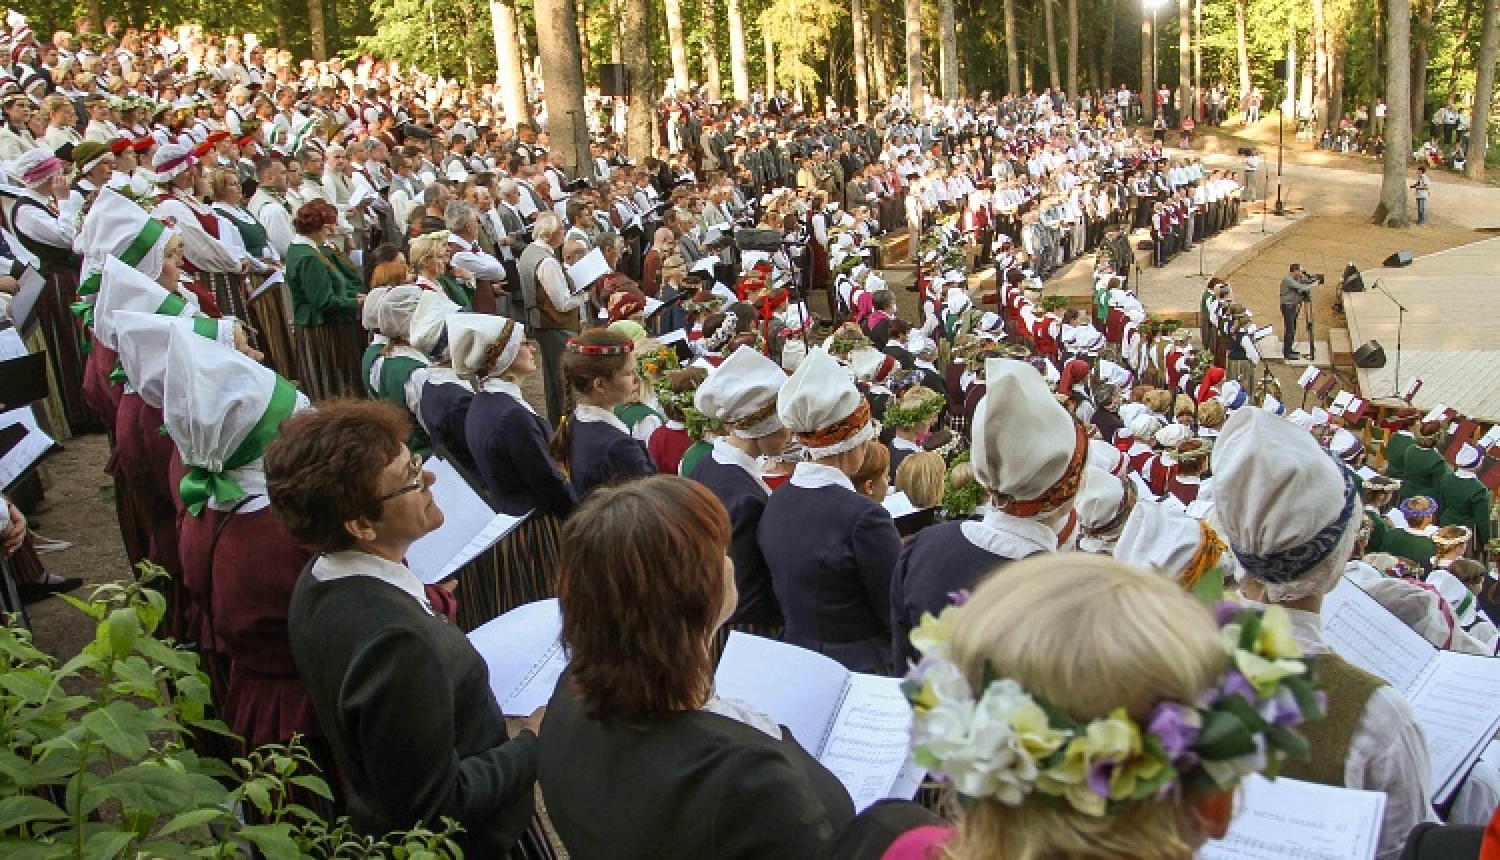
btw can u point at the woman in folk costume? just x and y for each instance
(215, 258)
(143, 457)
(1423, 467)
(401, 694)
(369, 320)
(238, 228)
(326, 296)
(508, 441)
(1399, 440)
(222, 410)
(645, 591)
(1464, 499)
(429, 259)
(1291, 517)
(45, 220)
(115, 226)
(398, 374)
(741, 394)
(1413, 541)
(818, 277)
(671, 440)
(1029, 455)
(1159, 537)
(912, 414)
(1104, 503)
(1189, 476)
(591, 445)
(445, 396)
(830, 550)
(1145, 662)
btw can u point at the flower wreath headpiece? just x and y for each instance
(1007, 744)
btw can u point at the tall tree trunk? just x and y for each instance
(584, 53)
(512, 76)
(948, 49)
(739, 57)
(1012, 52)
(1322, 67)
(878, 56)
(1421, 37)
(914, 52)
(616, 53)
(1107, 62)
(677, 43)
(317, 30)
(711, 72)
(1148, 68)
(562, 69)
(1484, 91)
(640, 78)
(1072, 80)
(1392, 209)
(1184, 57)
(1054, 73)
(1242, 47)
(770, 48)
(1463, 52)
(861, 63)
(1336, 61)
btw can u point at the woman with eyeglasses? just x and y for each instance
(403, 697)
(508, 441)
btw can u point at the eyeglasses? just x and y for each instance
(414, 475)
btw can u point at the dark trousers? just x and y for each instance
(554, 342)
(1289, 321)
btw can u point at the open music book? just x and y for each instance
(470, 526)
(1286, 819)
(856, 725)
(1452, 694)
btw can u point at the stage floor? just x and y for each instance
(1448, 340)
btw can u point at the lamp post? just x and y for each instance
(1152, 6)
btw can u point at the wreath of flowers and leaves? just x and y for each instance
(960, 501)
(705, 307)
(1052, 304)
(657, 363)
(1008, 745)
(848, 339)
(907, 418)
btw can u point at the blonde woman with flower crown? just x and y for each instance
(1063, 707)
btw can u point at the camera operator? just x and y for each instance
(1296, 288)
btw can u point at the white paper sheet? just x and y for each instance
(1367, 635)
(469, 526)
(793, 686)
(524, 653)
(898, 505)
(526, 206)
(1291, 820)
(588, 270)
(868, 746)
(276, 278)
(11, 344)
(28, 451)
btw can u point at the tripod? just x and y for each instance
(1312, 345)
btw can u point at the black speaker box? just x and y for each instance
(612, 80)
(1398, 259)
(1371, 355)
(1279, 70)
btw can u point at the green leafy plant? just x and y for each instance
(97, 760)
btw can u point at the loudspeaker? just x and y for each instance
(1279, 70)
(1353, 281)
(1398, 259)
(612, 79)
(1371, 355)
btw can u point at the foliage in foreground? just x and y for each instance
(96, 761)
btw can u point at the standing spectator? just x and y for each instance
(1422, 187)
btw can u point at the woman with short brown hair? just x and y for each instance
(403, 697)
(326, 296)
(644, 588)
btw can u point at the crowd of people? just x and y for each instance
(689, 377)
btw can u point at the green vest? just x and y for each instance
(1349, 689)
(1425, 469)
(1413, 547)
(366, 364)
(631, 414)
(1379, 528)
(1395, 455)
(455, 290)
(693, 454)
(1465, 502)
(394, 372)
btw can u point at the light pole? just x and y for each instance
(1152, 6)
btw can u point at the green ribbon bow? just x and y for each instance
(133, 255)
(199, 484)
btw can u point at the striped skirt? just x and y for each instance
(534, 844)
(273, 329)
(64, 335)
(328, 360)
(520, 569)
(229, 292)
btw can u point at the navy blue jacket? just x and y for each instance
(745, 500)
(509, 444)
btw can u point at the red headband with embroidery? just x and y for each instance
(1066, 486)
(577, 348)
(838, 431)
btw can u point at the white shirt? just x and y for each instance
(553, 282)
(498, 385)
(727, 455)
(42, 226)
(200, 249)
(811, 476)
(342, 565)
(1009, 537)
(475, 261)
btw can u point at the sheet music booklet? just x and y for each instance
(1451, 693)
(470, 526)
(1286, 819)
(856, 725)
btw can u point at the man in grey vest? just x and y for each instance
(551, 306)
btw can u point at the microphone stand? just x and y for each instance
(1400, 323)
